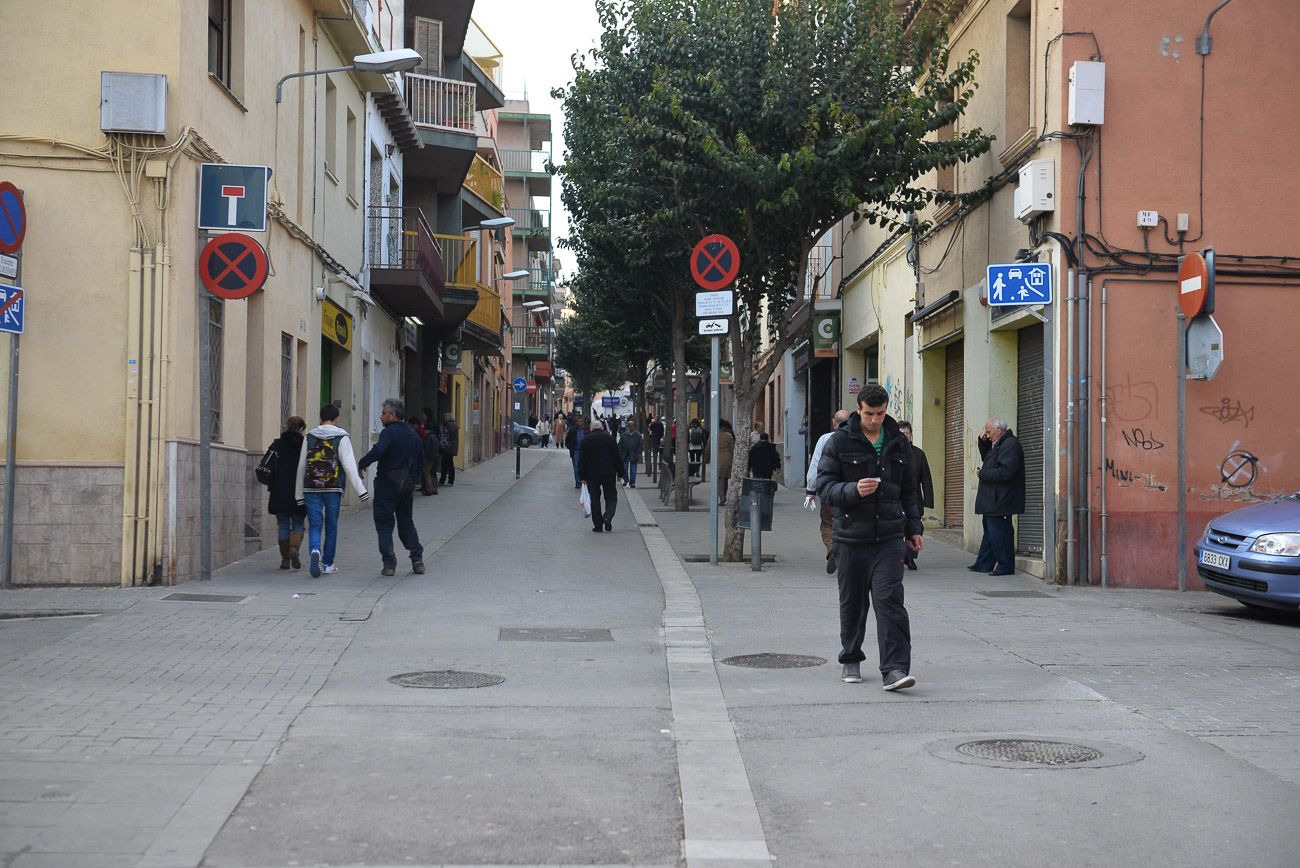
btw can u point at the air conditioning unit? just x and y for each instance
(1036, 193)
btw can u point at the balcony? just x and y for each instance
(377, 16)
(533, 225)
(406, 264)
(441, 103)
(528, 166)
(486, 183)
(483, 326)
(530, 339)
(460, 266)
(484, 64)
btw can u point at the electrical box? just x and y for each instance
(1087, 93)
(1148, 219)
(1036, 193)
(133, 102)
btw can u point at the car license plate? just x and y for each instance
(1213, 559)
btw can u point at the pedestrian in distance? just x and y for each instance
(839, 419)
(924, 484)
(599, 462)
(573, 442)
(629, 446)
(451, 436)
(1001, 494)
(865, 474)
(754, 435)
(325, 465)
(655, 435)
(431, 457)
(281, 465)
(544, 432)
(400, 456)
(726, 456)
(559, 429)
(697, 442)
(764, 460)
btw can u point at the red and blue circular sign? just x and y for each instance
(715, 262)
(233, 266)
(13, 218)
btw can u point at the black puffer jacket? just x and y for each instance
(892, 511)
(1002, 477)
(281, 500)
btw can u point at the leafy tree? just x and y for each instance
(581, 349)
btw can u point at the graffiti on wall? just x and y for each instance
(1133, 402)
(1127, 477)
(1140, 438)
(1227, 411)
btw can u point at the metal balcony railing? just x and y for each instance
(540, 278)
(487, 183)
(515, 160)
(441, 103)
(485, 54)
(530, 337)
(400, 239)
(530, 220)
(377, 15)
(487, 313)
(817, 281)
(460, 260)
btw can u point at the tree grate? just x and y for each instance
(1039, 753)
(446, 679)
(774, 661)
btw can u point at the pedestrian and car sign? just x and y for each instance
(714, 326)
(519, 384)
(233, 197)
(233, 266)
(715, 261)
(13, 218)
(12, 304)
(1019, 283)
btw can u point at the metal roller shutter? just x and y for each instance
(954, 395)
(1029, 428)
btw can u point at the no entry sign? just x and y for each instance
(1196, 284)
(13, 218)
(233, 266)
(715, 262)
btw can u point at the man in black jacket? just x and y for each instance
(1001, 495)
(401, 461)
(924, 483)
(598, 464)
(764, 460)
(865, 474)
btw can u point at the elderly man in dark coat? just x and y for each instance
(1001, 495)
(598, 463)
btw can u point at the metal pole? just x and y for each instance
(755, 530)
(518, 452)
(205, 432)
(1182, 450)
(11, 452)
(713, 447)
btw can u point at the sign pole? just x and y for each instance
(715, 351)
(1182, 450)
(205, 435)
(11, 451)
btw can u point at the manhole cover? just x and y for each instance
(1051, 753)
(775, 661)
(1013, 594)
(553, 634)
(446, 679)
(205, 598)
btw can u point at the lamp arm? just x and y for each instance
(279, 85)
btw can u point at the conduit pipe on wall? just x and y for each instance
(1070, 541)
(1101, 396)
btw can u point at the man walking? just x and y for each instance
(573, 442)
(326, 458)
(400, 456)
(838, 420)
(924, 483)
(764, 460)
(1001, 495)
(451, 433)
(629, 445)
(865, 474)
(598, 464)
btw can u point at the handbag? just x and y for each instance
(402, 479)
(265, 470)
(584, 500)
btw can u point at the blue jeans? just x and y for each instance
(389, 509)
(574, 458)
(998, 548)
(629, 470)
(323, 512)
(288, 523)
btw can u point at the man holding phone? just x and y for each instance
(865, 474)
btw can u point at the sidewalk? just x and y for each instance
(265, 730)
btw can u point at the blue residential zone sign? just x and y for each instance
(233, 198)
(13, 303)
(1020, 283)
(520, 384)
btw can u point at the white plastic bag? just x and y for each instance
(584, 500)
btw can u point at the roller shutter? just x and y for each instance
(1029, 428)
(954, 395)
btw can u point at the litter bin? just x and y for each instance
(765, 490)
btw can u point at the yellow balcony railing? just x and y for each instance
(487, 313)
(460, 259)
(485, 181)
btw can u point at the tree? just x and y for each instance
(581, 349)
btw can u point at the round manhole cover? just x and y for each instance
(775, 661)
(446, 679)
(1050, 753)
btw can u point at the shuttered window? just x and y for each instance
(428, 43)
(954, 395)
(1029, 429)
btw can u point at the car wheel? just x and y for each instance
(525, 441)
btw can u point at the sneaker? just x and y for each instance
(898, 680)
(831, 565)
(417, 567)
(329, 569)
(388, 571)
(315, 563)
(852, 673)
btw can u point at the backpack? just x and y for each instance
(695, 436)
(322, 467)
(265, 470)
(444, 445)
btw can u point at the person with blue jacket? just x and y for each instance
(400, 456)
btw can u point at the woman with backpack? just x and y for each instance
(282, 469)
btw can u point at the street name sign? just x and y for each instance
(233, 197)
(13, 303)
(714, 326)
(715, 262)
(1020, 283)
(710, 304)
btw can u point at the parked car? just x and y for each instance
(1253, 554)
(525, 435)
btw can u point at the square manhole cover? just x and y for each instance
(1013, 594)
(554, 634)
(205, 598)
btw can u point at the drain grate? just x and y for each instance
(1043, 753)
(446, 679)
(775, 661)
(205, 598)
(553, 634)
(1025, 594)
(647, 524)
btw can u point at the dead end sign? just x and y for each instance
(233, 266)
(715, 262)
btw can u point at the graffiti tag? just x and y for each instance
(1140, 439)
(1229, 411)
(1239, 469)
(1133, 402)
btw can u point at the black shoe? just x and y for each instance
(417, 567)
(388, 571)
(831, 565)
(609, 528)
(596, 529)
(898, 680)
(1003, 573)
(976, 568)
(911, 564)
(851, 673)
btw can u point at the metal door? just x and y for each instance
(954, 423)
(1029, 429)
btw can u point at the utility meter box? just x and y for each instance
(1036, 193)
(1087, 93)
(133, 102)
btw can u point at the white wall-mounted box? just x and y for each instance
(1087, 93)
(1036, 193)
(133, 102)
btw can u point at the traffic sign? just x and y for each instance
(233, 266)
(532, 389)
(1020, 283)
(8, 266)
(715, 262)
(13, 303)
(1196, 284)
(519, 384)
(232, 197)
(714, 326)
(13, 218)
(721, 303)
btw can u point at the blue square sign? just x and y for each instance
(13, 302)
(1020, 283)
(233, 198)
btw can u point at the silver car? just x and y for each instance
(1253, 554)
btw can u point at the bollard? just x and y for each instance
(518, 452)
(756, 532)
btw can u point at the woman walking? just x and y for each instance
(288, 514)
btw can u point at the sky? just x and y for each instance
(538, 38)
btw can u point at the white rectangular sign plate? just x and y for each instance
(8, 266)
(714, 326)
(720, 303)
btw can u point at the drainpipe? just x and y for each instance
(1203, 42)
(1105, 576)
(1071, 573)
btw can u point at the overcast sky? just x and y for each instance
(538, 38)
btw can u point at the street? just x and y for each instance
(261, 727)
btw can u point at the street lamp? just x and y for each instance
(496, 223)
(397, 60)
(520, 274)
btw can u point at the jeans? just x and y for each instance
(573, 458)
(323, 512)
(447, 474)
(629, 470)
(288, 523)
(873, 574)
(389, 505)
(595, 488)
(998, 548)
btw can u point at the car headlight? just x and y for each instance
(1206, 531)
(1277, 544)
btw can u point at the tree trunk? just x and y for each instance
(733, 548)
(681, 460)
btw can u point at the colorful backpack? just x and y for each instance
(322, 469)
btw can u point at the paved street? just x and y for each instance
(262, 729)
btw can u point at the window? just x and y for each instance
(351, 170)
(216, 326)
(286, 376)
(331, 128)
(219, 21)
(1018, 73)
